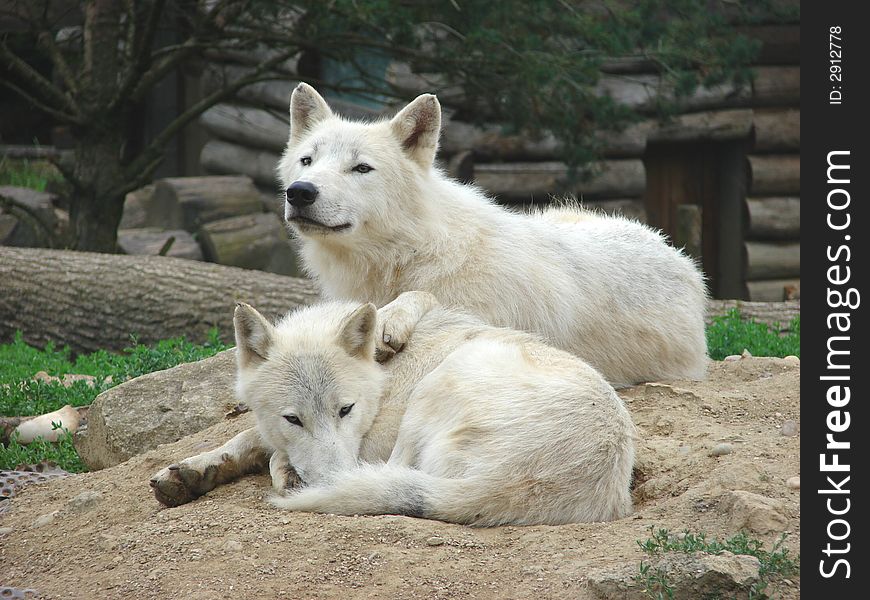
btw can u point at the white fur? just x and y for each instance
(477, 424)
(607, 289)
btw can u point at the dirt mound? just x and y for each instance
(714, 456)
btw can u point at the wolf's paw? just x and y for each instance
(395, 326)
(181, 483)
(284, 476)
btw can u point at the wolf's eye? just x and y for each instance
(293, 420)
(363, 168)
(345, 410)
(305, 160)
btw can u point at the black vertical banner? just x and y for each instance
(835, 422)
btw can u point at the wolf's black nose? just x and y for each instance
(301, 193)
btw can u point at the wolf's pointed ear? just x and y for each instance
(417, 126)
(254, 335)
(357, 335)
(307, 108)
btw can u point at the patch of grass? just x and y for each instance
(20, 395)
(27, 173)
(730, 334)
(655, 583)
(60, 452)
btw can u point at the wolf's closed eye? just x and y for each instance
(345, 410)
(363, 168)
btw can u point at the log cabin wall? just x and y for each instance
(737, 149)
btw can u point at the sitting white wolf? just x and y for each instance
(376, 218)
(477, 425)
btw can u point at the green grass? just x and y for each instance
(27, 173)
(20, 395)
(729, 335)
(655, 583)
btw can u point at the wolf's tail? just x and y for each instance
(386, 489)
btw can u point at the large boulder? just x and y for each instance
(20, 230)
(689, 576)
(158, 408)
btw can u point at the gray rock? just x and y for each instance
(85, 501)
(158, 408)
(789, 428)
(137, 208)
(21, 231)
(690, 576)
(754, 512)
(722, 449)
(794, 483)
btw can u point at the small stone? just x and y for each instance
(731, 358)
(789, 428)
(722, 449)
(233, 546)
(434, 541)
(792, 359)
(85, 501)
(6, 530)
(745, 354)
(794, 482)
(45, 519)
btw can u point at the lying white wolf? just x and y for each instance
(376, 218)
(478, 425)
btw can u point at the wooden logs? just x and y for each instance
(774, 175)
(772, 260)
(774, 218)
(223, 157)
(197, 200)
(777, 130)
(255, 241)
(247, 126)
(523, 181)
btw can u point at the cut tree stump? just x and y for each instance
(199, 200)
(257, 241)
(95, 301)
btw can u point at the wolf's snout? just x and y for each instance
(301, 193)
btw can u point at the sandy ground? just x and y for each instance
(103, 535)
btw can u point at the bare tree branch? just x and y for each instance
(40, 84)
(60, 115)
(140, 37)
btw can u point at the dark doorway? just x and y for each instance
(707, 178)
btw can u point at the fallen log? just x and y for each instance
(95, 301)
(774, 290)
(153, 241)
(774, 218)
(771, 313)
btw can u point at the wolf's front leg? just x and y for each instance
(397, 321)
(189, 479)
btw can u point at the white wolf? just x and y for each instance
(375, 218)
(478, 425)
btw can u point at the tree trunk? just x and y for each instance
(93, 301)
